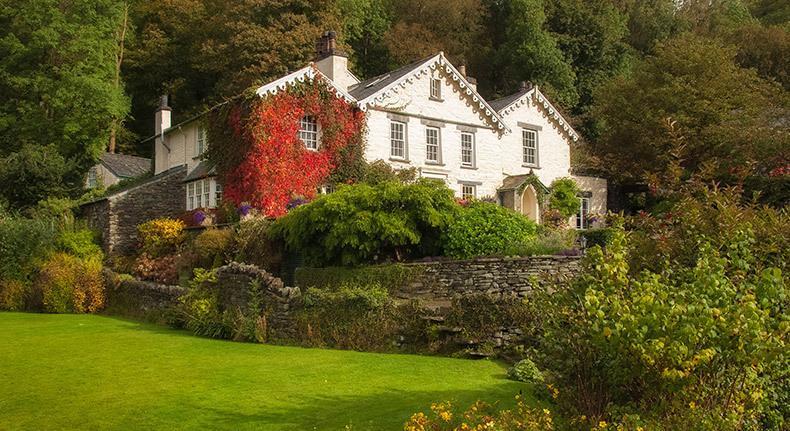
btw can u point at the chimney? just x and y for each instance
(472, 82)
(333, 62)
(525, 85)
(162, 119)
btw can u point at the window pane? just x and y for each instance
(432, 144)
(308, 132)
(529, 139)
(467, 149)
(398, 139)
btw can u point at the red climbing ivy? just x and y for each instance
(255, 145)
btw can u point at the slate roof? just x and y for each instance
(504, 102)
(204, 169)
(124, 165)
(371, 86)
(513, 182)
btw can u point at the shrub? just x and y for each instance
(351, 317)
(380, 172)
(363, 223)
(13, 295)
(564, 197)
(481, 416)
(32, 174)
(255, 246)
(23, 242)
(525, 371)
(598, 236)
(161, 236)
(213, 246)
(548, 241)
(68, 284)
(689, 344)
(390, 277)
(485, 229)
(80, 243)
(162, 269)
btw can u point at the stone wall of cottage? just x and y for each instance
(116, 216)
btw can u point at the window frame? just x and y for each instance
(403, 141)
(473, 191)
(472, 163)
(437, 144)
(201, 141)
(583, 214)
(308, 136)
(435, 89)
(525, 148)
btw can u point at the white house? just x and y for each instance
(427, 115)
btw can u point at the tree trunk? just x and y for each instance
(116, 122)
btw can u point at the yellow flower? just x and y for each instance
(692, 405)
(446, 416)
(602, 424)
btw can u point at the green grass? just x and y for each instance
(95, 372)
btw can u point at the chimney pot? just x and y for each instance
(462, 70)
(163, 103)
(525, 85)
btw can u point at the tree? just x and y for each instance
(530, 52)
(726, 114)
(365, 24)
(202, 52)
(57, 81)
(32, 174)
(425, 27)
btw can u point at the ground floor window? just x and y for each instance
(468, 191)
(205, 193)
(582, 215)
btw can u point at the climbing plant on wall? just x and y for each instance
(255, 145)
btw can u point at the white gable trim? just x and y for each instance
(552, 112)
(439, 61)
(302, 75)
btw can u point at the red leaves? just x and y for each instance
(277, 166)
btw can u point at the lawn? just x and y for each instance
(95, 372)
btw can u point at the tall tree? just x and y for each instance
(365, 25)
(203, 51)
(57, 78)
(531, 52)
(726, 114)
(425, 27)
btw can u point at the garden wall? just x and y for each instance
(139, 299)
(439, 282)
(116, 216)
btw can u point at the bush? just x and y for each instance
(548, 242)
(349, 298)
(213, 246)
(68, 284)
(161, 236)
(363, 223)
(162, 269)
(689, 344)
(525, 371)
(486, 229)
(254, 245)
(22, 243)
(390, 277)
(598, 236)
(564, 197)
(481, 416)
(13, 295)
(32, 174)
(80, 243)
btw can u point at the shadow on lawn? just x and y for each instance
(385, 411)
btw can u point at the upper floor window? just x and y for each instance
(308, 132)
(468, 191)
(582, 215)
(398, 139)
(218, 192)
(530, 144)
(92, 179)
(467, 150)
(432, 145)
(436, 88)
(202, 141)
